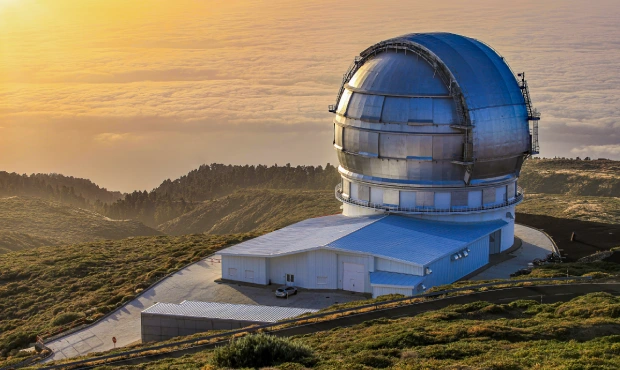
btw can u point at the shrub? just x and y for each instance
(371, 359)
(65, 318)
(261, 350)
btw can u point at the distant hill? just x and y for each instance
(65, 189)
(253, 210)
(209, 182)
(27, 222)
(573, 177)
(585, 208)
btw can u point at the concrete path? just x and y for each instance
(544, 294)
(195, 282)
(535, 245)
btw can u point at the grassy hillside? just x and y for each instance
(583, 333)
(45, 288)
(584, 208)
(27, 222)
(11, 241)
(253, 210)
(572, 177)
(265, 210)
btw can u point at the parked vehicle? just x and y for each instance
(285, 291)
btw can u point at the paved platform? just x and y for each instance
(195, 282)
(535, 245)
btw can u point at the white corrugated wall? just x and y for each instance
(313, 270)
(295, 264)
(383, 290)
(382, 264)
(247, 269)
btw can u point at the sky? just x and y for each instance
(129, 93)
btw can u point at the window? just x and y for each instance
(232, 272)
(290, 278)
(249, 274)
(321, 280)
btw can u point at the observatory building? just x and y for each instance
(431, 131)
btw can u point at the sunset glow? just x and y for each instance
(128, 92)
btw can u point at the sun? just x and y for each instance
(9, 3)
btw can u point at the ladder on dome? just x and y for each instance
(533, 116)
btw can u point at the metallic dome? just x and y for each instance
(431, 110)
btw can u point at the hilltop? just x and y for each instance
(27, 222)
(53, 186)
(253, 210)
(172, 199)
(222, 199)
(571, 177)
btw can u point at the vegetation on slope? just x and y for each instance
(581, 333)
(65, 189)
(11, 241)
(44, 288)
(173, 199)
(27, 222)
(209, 182)
(253, 210)
(585, 208)
(572, 177)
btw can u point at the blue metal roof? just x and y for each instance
(395, 279)
(305, 235)
(483, 75)
(393, 237)
(413, 240)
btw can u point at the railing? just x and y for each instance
(428, 210)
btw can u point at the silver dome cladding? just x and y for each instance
(431, 109)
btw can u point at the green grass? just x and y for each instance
(43, 289)
(254, 210)
(27, 222)
(584, 208)
(580, 178)
(596, 270)
(583, 333)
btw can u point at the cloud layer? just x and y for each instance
(129, 94)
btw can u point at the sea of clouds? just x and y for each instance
(131, 100)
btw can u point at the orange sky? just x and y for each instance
(129, 93)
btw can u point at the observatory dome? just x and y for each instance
(431, 125)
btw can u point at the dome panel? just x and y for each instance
(398, 74)
(403, 126)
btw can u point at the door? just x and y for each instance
(354, 276)
(495, 242)
(290, 280)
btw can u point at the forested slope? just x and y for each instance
(65, 189)
(209, 182)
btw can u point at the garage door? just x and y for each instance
(353, 277)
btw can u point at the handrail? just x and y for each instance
(412, 301)
(426, 210)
